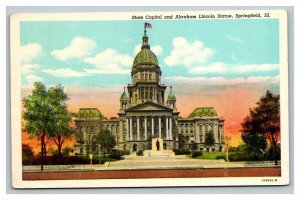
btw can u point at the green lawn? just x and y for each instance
(212, 156)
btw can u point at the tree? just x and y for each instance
(105, 139)
(253, 138)
(263, 123)
(209, 139)
(40, 112)
(60, 131)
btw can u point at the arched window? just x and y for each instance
(150, 76)
(143, 76)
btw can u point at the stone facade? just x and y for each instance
(146, 113)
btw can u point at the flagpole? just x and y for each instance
(145, 28)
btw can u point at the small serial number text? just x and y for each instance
(269, 180)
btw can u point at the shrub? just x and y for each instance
(243, 156)
(220, 157)
(124, 152)
(178, 151)
(182, 152)
(115, 154)
(67, 150)
(27, 154)
(269, 153)
(53, 160)
(194, 146)
(196, 154)
(140, 153)
(187, 152)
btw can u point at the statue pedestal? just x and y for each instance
(154, 144)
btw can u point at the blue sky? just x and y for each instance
(100, 53)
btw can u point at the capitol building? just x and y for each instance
(148, 113)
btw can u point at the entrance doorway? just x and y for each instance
(134, 147)
(165, 146)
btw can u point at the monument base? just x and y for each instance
(157, 144)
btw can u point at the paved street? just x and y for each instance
(154, 173)
(156, 162)
(155, 166)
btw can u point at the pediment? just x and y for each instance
(149, 106)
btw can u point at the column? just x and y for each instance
(152, 124)
(121, 131)
(170, 128)
(159, 127)
(130, 131)
(127, 129)
(153, 94)
(167, 129)
(138, 127)
(145, 127)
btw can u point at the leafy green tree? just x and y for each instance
(105, 139)
(255, 140)
(209, 139)
(263, 123)
(41, 108)
(60, 131)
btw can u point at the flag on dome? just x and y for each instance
(148, 25)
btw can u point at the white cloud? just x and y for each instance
(110, 61)
(79, 47)
(30, 51)
(255, 68)
(157, 50)
(219, 68)
(29, 68)
(107, 71)
(215, 68)
(233, 38)
(64, 72)
(222, 81)
(31, 78)
(188, 54)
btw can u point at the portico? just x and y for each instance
(141, 126)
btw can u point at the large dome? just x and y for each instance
(145, 57)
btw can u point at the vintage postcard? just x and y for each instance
(149, 99)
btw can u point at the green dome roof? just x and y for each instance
(203, 112)
(89, 113)
(145, 56)
(124, 96)
(171, 96)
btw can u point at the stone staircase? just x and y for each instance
(155, 155)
